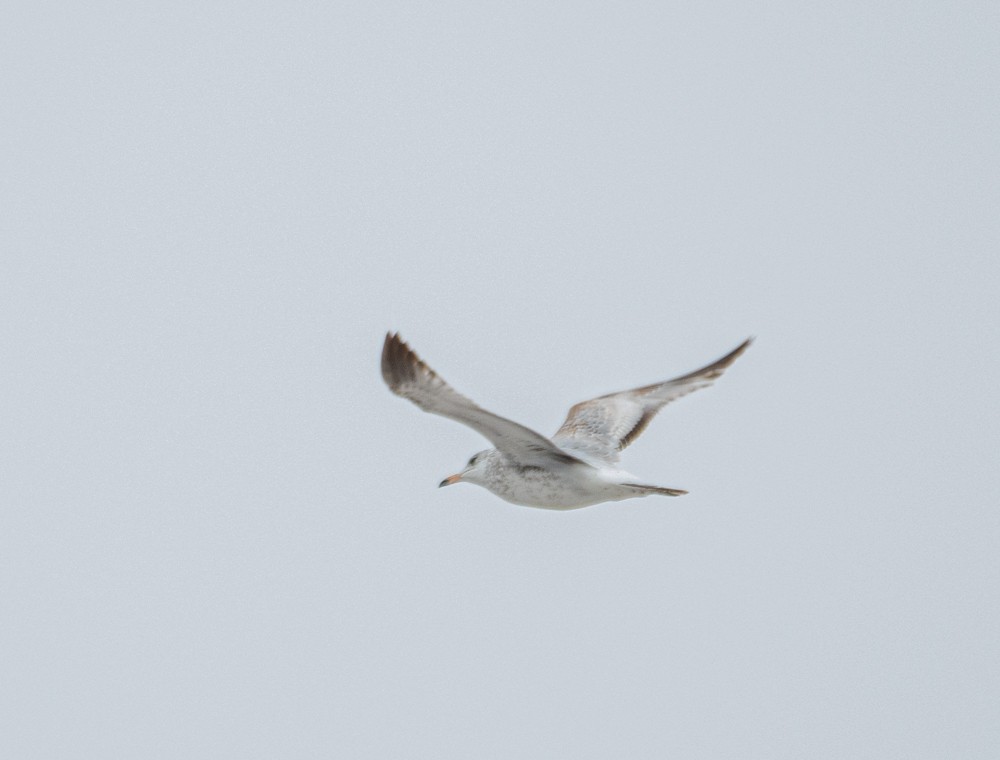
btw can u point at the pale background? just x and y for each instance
(220, 535)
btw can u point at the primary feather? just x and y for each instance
(410, 377)
(603, 426)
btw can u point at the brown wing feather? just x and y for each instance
(605, 425)
(408, 376)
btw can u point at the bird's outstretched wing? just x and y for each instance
(408, 376)
(603, 426)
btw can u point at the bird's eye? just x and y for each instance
(472, 461)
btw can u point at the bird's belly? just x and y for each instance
(572, 488)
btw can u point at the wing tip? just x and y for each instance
(738, 351)
(396, 362)
(400, 363)
(716, 368)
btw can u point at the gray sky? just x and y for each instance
(220, 534)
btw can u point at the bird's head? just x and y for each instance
(474, 472)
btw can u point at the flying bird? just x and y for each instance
(576, 467)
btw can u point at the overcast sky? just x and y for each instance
(220, 535)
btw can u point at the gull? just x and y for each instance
(578, 466)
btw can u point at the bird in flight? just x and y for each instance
(578, 466)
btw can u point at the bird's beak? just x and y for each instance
(450, 480)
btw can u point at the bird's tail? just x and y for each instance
(647, 490)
